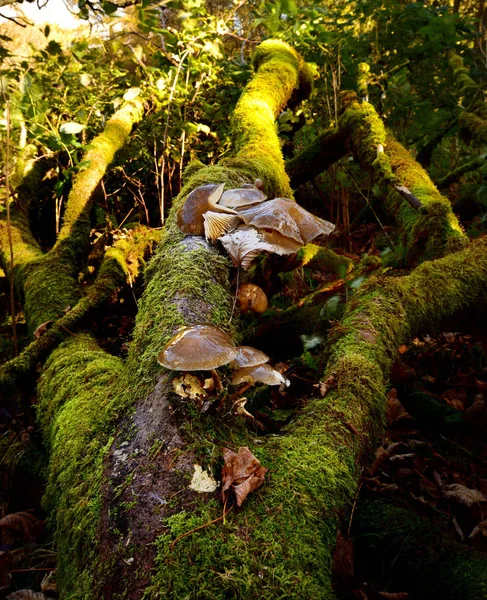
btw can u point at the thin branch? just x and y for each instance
(9, 228)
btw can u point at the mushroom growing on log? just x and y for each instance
(199, 348)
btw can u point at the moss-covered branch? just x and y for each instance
(429, 232)
(473, 119)
(120, 264)
(328, 148)
(455, 175)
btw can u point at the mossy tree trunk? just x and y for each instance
(123, 445)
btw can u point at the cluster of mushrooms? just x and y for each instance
(206, 347)
(246, 223)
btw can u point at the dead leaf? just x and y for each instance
(463, 495)
(381, 456)
(325, 386)
(18, 526)
(479, 536)
(41, 330)
(481, 385)
(48, 583)
(395, 411)
(394, 596)
(343, 565)
(242, 473)
(403, 349)
(456, 398)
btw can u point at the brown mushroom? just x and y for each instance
(251, 297)
(240, 197)
(248, 357)
(288, 218)
(199, 201)
(198, 348)
(260, 373)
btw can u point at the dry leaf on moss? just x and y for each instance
(242, 473)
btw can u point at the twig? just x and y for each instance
(353, 509)
(174, 542)
(9, 228)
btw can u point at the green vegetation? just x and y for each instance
(106, 139)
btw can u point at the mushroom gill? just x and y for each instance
(202, 199)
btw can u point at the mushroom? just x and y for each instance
(288, 218)
(217, 224)
(260, 373)
(248, 357)
(199, 201)
(240, 197)
(246, 243)
(198, 348)
(251, 297)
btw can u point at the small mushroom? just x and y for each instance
(248, 357)
(240, 197)
(199, 201)
(251, 297)
(198, 348)
(288, 218)
(260, 373)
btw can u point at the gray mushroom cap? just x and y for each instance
(248, 357)
(260, 373)
(198, 348)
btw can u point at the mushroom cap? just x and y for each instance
(244, 196)
(248, 357)
(198, 348)
(288, 218)
(260, 373)
(199, 201)
(251, 297)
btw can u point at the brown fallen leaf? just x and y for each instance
(463, 495)
(41, 330)
(395, 411)
(479, 536)
(18, 526)
(342, 569)
(456, 398)
(242, 473)
(325, 386)
(394, 596)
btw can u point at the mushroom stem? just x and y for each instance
(242, 390)
(217, 380)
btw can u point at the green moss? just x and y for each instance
(433, 230)
(465, 85)
(78, 405)
(363, 80)
(474, 127)
(324, 259)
